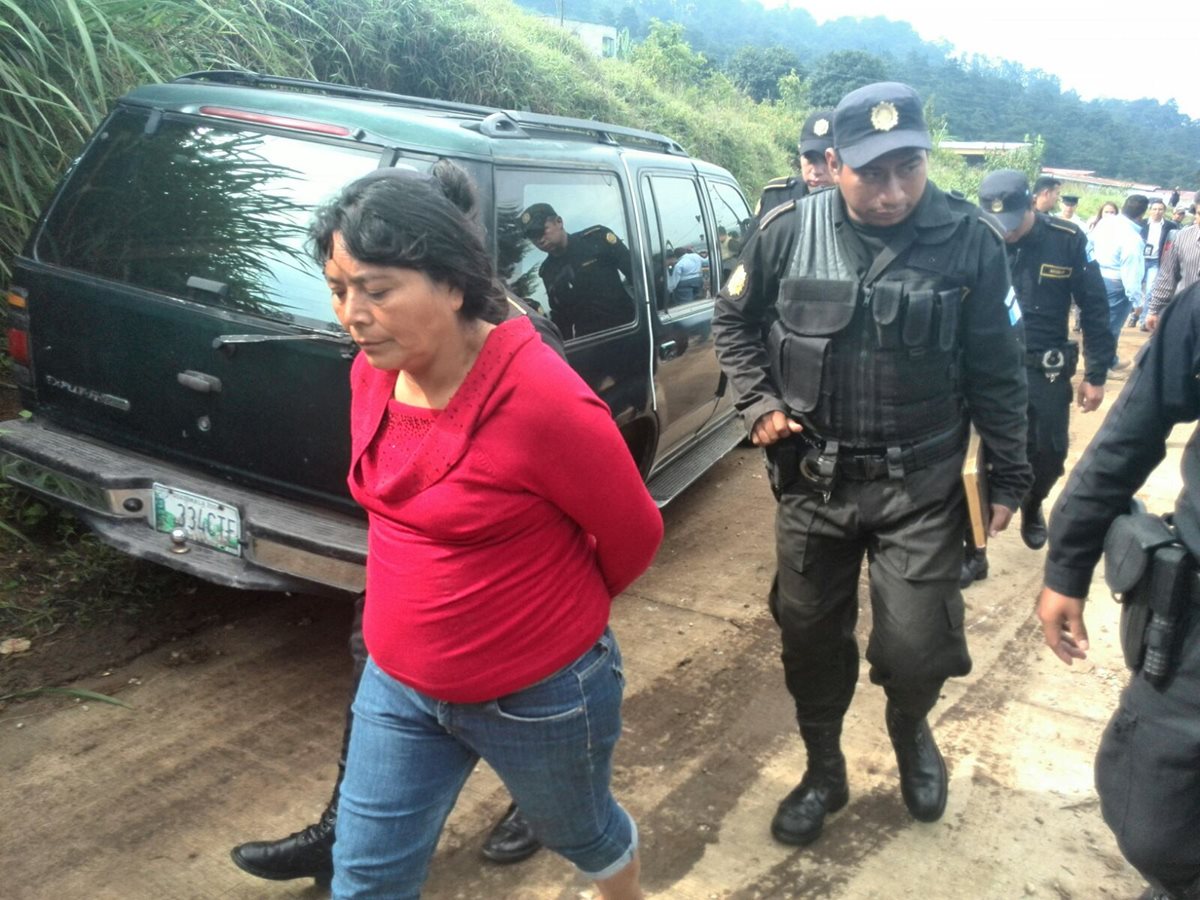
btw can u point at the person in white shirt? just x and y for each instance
(1156, 232)
(1117, 248)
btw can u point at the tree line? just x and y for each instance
(979, 98)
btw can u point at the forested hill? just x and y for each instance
(979, 99)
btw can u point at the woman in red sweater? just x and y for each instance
(505, 514)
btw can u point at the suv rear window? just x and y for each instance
(198, 210)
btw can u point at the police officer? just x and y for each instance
(816, 136)
(586, 273)
(1049, 264)
(858, 327)
(1148, 765)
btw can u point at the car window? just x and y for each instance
(733, 218)
(683, 275)
(563, 243)
(201, 211)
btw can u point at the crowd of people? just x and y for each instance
(871, 321)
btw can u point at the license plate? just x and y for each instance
(203, 520)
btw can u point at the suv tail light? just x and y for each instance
(17, 332)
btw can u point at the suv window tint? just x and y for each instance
(683, 239)
(733, 218)
(578, 268)
(200, 211)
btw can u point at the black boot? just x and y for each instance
(1033, 525)
(309, 852)
(305, 854)
(511, 839)
(822, 791)
(922, 769)
(974, 567)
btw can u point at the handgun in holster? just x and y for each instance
(1149, 572)
(804, 462)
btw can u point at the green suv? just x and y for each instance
(188, 382)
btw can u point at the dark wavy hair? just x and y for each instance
(411, 220)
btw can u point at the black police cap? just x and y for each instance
(816, 135)
(878, 119)
(533, 220)
(1006, 195)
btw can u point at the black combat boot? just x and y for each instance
(822, 790)
(306, 854)
(922, 769)
(511, 839)
(1033, 525)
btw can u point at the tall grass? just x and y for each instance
(63, 63)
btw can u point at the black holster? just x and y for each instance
(1150, 573)
(796, 463)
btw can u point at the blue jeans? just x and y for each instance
(1119, 305)
(410, 755)
(1147, 287)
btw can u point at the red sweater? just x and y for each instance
(494, 553)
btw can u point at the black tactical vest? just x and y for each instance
(871, 362)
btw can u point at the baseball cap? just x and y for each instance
(1005, 194)
(878, 119)
(533, 220)
(816, 135)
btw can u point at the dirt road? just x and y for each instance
(234, 731)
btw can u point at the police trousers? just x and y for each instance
(910, 531)
(1049, 421)
(1148, 771)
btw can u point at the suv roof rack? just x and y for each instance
(494, 122)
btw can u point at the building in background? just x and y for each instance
(600, 39)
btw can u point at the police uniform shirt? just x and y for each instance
(779, 191)
(584, 283)
(993, 381)
(1050, 267)
(1162, 391)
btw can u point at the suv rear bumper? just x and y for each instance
(286, 546)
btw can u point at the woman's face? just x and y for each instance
(1109, 209)
(400, 318)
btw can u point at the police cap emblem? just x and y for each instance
(821, 127)
(610, 237)
(884, 116)
(997, 205)
(525, 217)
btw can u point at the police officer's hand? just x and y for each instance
(1151, 322)
(999, 519)
(1088, 396)
(1062, 625)
(773, 427)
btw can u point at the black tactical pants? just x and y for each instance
(911, 532)
(1148, 772)
(1049, 420)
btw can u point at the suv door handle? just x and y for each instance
(668, 349)
(200, 381)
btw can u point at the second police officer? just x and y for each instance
(816, 136)
(859, 327)
(1050, 267)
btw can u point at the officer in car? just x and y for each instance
(587, 273)
(1148, 764)
(816, 136)
(1049, 264)
(859, 327)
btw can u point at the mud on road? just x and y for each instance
(235, 728)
